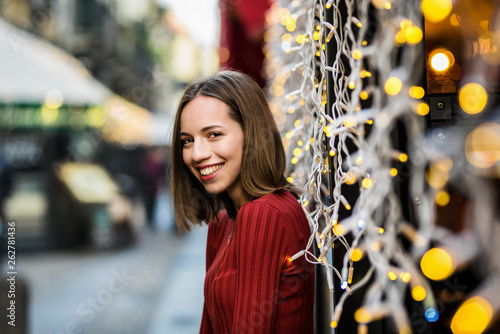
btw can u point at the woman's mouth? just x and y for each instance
(210, 172)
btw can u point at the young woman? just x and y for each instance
(226, 150)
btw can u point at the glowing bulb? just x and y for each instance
(418, 293)
(438, 264)
(440, 62)
(473, 316)
(350, 121)
(399, 39)
(367, 182)
(423, 109)
(442, 198)
(295, 160)
(352, 84)
(403, 157)
(413, 35)
(472, 98)
(393, 85)
(482, 146)
(394, 172)
(332, 153)
(344, 285)
(436, 10)
(349, 178)
(392, 276)
(297, 123)
(356, 54)
(356, 254)
(297, 152)
(405, 276)
(361, 224)
(287, 38)
(437, 175)
(417, 92)
(290, 179)
(363, 95)
(431, 314)
(338, 230)
(363, 315)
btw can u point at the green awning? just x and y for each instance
(32, 116)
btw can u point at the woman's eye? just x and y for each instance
(215, 134)
(184, 142)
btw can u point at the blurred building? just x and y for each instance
(64, 134)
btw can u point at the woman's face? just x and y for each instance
(212, 145)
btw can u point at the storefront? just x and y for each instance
(54, 119)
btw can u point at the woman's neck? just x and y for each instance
(238, 195)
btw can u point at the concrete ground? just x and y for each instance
(153, 287)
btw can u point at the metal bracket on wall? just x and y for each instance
(441, 108)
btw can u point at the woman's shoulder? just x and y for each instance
(283, 201)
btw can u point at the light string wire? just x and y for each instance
(372, 94)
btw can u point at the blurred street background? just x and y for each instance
(88, 92)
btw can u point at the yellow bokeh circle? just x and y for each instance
(472, 98)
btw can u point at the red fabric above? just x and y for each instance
(243, 24)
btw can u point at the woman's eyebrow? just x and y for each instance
(206, 128)
(210, 127)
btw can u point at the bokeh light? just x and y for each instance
(431, 314)
(472, 98)
(437, 175)
(356, 254)
(473, 316)
(418, 293)
(438, 263)
(482, 146)
(436, 10)
(393, 85)
(416, 92)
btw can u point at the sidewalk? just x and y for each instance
(153, 287)
(181, 301)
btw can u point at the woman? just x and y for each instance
(226, 150)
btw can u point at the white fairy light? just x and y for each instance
(376, 221)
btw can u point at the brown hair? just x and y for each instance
(263, 162)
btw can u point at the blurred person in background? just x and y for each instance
(227, 151)
(243, 23)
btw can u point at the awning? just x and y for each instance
(42, 86)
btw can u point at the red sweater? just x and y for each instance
(250, 285)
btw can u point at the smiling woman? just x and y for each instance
(227, 151)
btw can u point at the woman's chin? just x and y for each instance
(213, 191)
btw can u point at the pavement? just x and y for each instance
(154, 286)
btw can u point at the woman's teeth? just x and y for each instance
(210, 170)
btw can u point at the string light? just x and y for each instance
(358, 104)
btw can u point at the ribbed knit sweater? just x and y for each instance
(251, 286)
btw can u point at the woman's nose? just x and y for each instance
(201, 151)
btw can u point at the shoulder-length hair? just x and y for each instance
(263, 163)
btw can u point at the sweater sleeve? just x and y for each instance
(260, 254)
